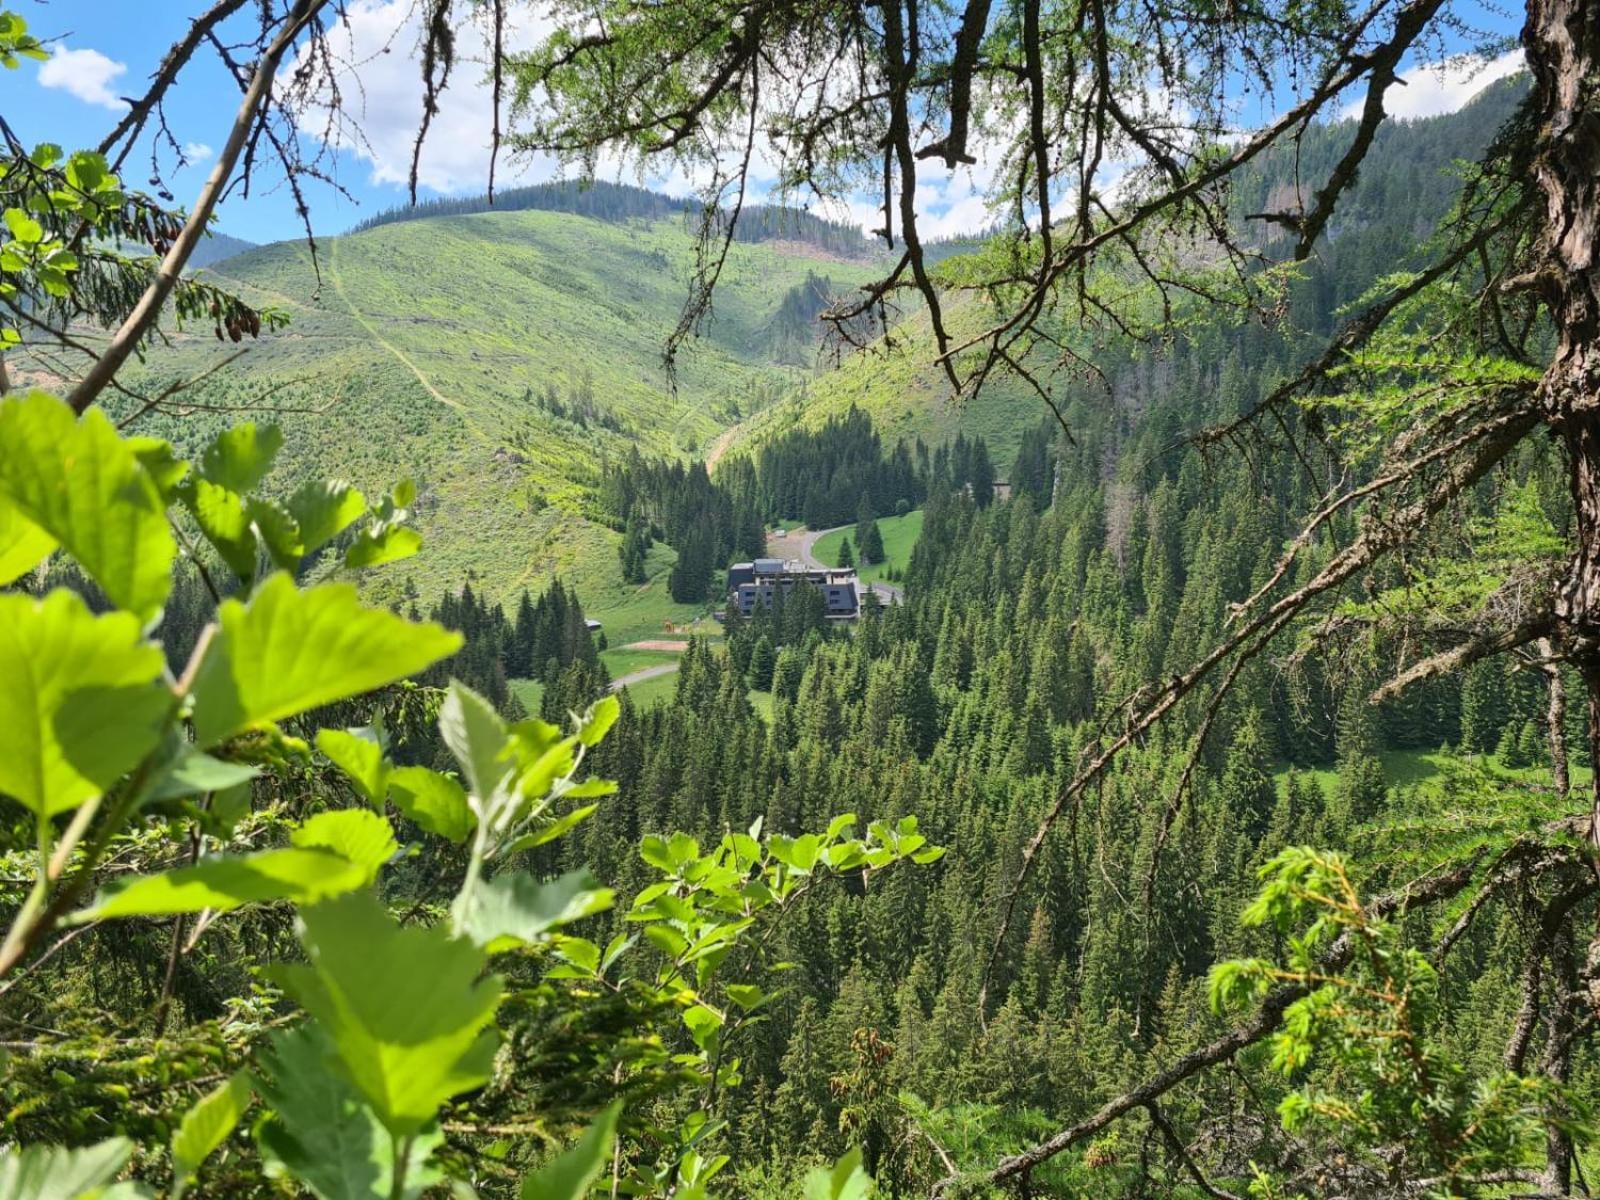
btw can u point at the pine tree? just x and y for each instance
(763, 660)
(1514, 746)
(847, 557)
(868, 540)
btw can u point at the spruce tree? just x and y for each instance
(868, 540)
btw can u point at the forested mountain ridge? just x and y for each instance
(1408, 182)
(622, 203)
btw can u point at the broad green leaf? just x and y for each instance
(391, 545)
(386, 539)
(572, 1174)
(704, 1026)
(228, 808)
(477, 737)
(435, 802)
(555, 829)
(23, 227)
(515, 909)
(303, 874)
(206, 1126)
(222, 518)
(364, 838)
(406, 1008)
(590, 787)
(599, 721)
(324, 1134)
(838, 825)
(280, 532)
(240, 458)
(82, 484)
(359, 755)
(291, 650)
(160, 461)
(192, 772)
(323, 510)
(848, 1180)
(23, 545)
(556, 763)
(81, 700)
(747, 995)
(57, 1173)
(580, 952)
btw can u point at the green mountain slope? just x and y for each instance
(497, 358)
(1411, 176)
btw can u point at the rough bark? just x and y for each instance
(1562, 38)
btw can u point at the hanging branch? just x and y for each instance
(148, 309)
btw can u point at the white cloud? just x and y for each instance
(380, 83)
(86, 74)
(1433, 89)
(197, 152)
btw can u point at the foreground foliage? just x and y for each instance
(185, 799)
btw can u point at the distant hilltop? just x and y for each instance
(620, 202)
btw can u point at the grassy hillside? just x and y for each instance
(433, 348)
(899, 535)
(907, 396)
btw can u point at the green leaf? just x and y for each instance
(358, 753)
(846, 1181)
(747, 995)
(704, 1026)
(391, 545)
(302, 874)
(82, 484)
(323, 510)
(23, 545)
(207, 1125)
(239, 458)
(515, 909)
(81, 702)
(362, 837)
(293, 650)
(574, 1172)
(555, 829)
(57, 1173)
(477, 737)
(160, 461)
(435, 802)
(23, 227)
(599, 720)
(386, 538)
(222, 518)
(406, 1008)
(323, 1134)
(192, 772)
(279, 531)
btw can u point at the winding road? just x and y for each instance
(640, 676)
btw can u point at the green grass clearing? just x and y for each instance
(625, 662)
(1404, 768)
(899, 534)
(650, 692)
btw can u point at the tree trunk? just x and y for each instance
(1562, 38)
(1555, 718)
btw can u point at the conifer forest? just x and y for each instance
(818, 599)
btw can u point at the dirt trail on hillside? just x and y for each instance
(720, 446)
(338, 286)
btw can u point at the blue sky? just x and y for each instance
(105, 49)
